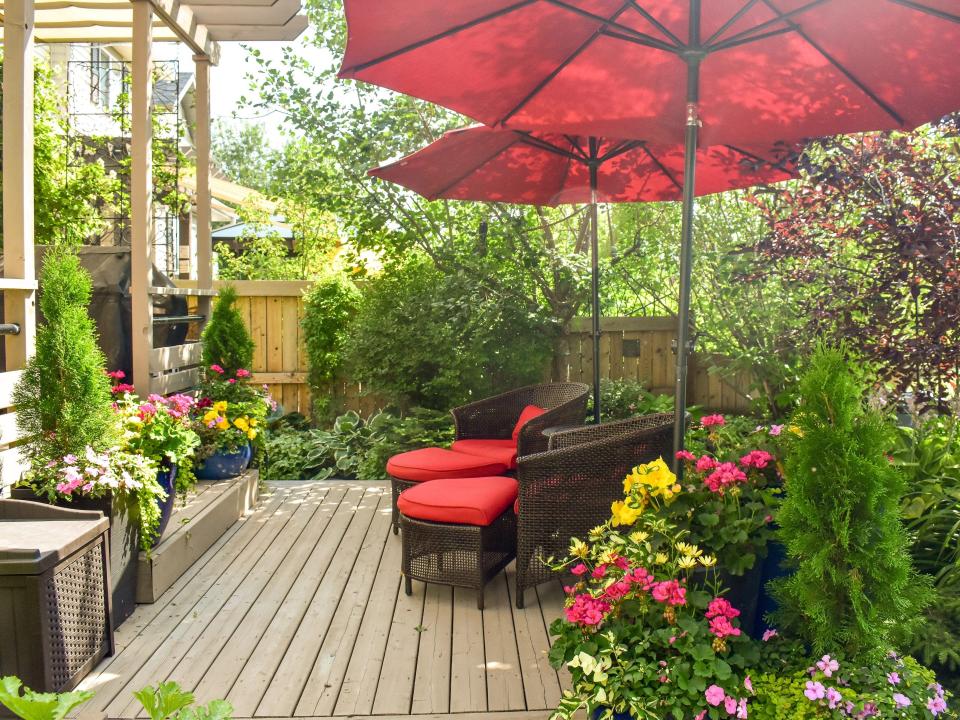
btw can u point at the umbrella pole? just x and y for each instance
(595, 278)
(686, 234)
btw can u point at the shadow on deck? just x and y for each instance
(298, 610)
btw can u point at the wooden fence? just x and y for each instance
(630, 348)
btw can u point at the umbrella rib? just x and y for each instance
(736, 42)
(839, 66)
(779, 165)
(624, 147)
(729, 23)
(749, 34)
(529, 139)
(663, 168)
(601, 19)
(657, 24)
(641, 39)
(943, 15)
(439, 36)
(560, 66)
(575, 144)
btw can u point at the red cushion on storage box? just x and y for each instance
(434, 463)
(526, 415)
(461, 501)
(504, 451)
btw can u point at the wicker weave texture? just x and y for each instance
(567, 490)
(75, 607)
(495, 417)
(463, 555)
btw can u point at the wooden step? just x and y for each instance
(209, 511)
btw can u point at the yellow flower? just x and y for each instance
(220, 406)
(251, 434)
(796, 430)
(253, 422)
(242, 423)
(623, 514)
(597, 532)
(660, 559)
(579, 548)
(708, 561)
(687, 562)
(691, 550)
(638, 536)
(224, 424)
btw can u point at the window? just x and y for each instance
(100, 64)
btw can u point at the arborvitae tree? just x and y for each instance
(63, 398)
(226, 341)
(855, 590)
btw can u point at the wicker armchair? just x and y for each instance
(495, 417)
(567, 490)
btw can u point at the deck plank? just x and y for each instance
(468, 664)
(327, 675)
(299, 611)
(191, 627)
(431, 688)
(218, 680)
(284, 690)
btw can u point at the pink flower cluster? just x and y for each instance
(937, 704)
(758, 459)
(587, 610)
(77, 474)
(725, 475)
(712, 421)
(720, 612)
(119, 388)
(669, 592)
(217, 369)
(716, 695)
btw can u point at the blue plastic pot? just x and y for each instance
(221, 466)
(616, 716)
(167, 479)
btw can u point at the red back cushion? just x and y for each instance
(528, 414)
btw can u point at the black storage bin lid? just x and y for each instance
(35, 537)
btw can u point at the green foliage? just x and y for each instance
(328, 307)
(780, 697)
(30, 705)
(353, 447)
(67, 189)
(169, 700)
(226, 341)
(855, 590)
(63, 398)
(621, 399)
(422, 338)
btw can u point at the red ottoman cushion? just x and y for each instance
(434, 463)
(504, 451)
(461, 501)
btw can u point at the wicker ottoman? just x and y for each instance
(417, 466)
(459, 531)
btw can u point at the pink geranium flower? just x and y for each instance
(715, 695)
(758, 459)
(726, 475)
(722, 627)
(117, 375)
(243, 373)
(712, 421)
(578, 569)
(686, 456)
(587, 610)
(706, 463)
(217, 369)
(669, 592)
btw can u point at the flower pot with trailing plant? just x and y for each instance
(160, 429)
(229, 418)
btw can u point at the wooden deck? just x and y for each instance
(299, 611)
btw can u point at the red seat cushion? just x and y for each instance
(434, 463)
(526, 415)
(504, 451)
(459, 501)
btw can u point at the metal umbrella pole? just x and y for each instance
(693, 57)
(595, 275)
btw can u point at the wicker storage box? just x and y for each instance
(54, 598)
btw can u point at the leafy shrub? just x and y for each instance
(353, 447)
(226, 341)
(855, 589)
(422, 338)
(327, 309)
(63, 397)
(169, 701)
(621, 399)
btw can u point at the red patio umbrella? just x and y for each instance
(748, 71)
(480, 163)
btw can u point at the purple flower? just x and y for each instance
(936, 705)
(833, 697)
(776, 430)
(828, 665)
(768, 635)
(893, 678)
(815, 690)
(901, 700)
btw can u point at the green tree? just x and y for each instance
(226, 341)
(63, 397)
(855, 590)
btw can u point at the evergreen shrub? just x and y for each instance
(226, 341)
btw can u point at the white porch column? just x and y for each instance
(18, 304)
(141, 194)
(201, 138)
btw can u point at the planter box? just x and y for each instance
(124, 546)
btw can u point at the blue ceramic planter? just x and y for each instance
(167, 479)
(221, 466)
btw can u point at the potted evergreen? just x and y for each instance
(72, 440)
(231, 412)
